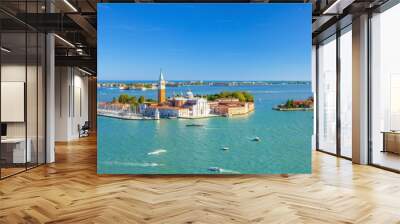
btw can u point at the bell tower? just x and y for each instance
(161, 89)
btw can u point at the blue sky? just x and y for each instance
(204, 41)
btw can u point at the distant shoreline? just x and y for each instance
(144, 85)
(204, 82)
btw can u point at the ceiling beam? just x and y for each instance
(77, 61)
(84, 24)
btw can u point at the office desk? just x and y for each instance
(16, 147)
(391, 141)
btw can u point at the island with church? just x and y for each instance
(186, 106)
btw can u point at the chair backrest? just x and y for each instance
(86, 125)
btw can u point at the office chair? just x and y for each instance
(84, 130)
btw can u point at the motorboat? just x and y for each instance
(194, 125)
(225, 148)
(214, 169)
(256, 139)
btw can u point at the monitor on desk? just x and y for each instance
(3, 130)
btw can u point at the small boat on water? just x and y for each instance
(214, 169)
(157, 152)
(194, 125)
(172, 117)
(124, 88)
(256, 139)
(225, 148)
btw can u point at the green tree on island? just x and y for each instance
(126, 99)
(141, 99)
(148, 86)
(242, 96)
(289, 103)
(151, 101)
(293, 104)
(248, 97)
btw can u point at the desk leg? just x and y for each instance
(384, 142)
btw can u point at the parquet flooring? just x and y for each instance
(70, 191)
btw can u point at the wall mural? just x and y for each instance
(204, 88)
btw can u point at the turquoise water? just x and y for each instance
(133, 147)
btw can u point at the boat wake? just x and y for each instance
(221, 170)
(254, 139)
(130, 164)
(229, 171)
(213, 128)
(157, 152)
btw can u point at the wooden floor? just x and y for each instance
(387, 159)
(70, 191)
(5, 172)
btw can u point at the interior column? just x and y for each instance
(360, 90)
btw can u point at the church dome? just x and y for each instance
(189, 94)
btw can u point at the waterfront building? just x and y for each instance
(166, 111)
(142, 108)
(178, 101)
(157, 114)
(227, 100)
(198, 107)
(161, 89)
(231, 108)
(116, 107)
(184, 106)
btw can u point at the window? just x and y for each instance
(346, 92)
(385, 89)
(327, 95)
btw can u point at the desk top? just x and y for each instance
(391, 132)
(13, 140)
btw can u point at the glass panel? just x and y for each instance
(314, 90)
(23, 90)
(13, 86)
(31, 98)
(346, 92)
(41, 98)
(32, 88)
(385, 93)
(327, 95)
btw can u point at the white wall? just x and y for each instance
(71, 102)
(62, 82)
(13, 101)
(17, 73)
(33, 126)
(80, 110)
(12, 73)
